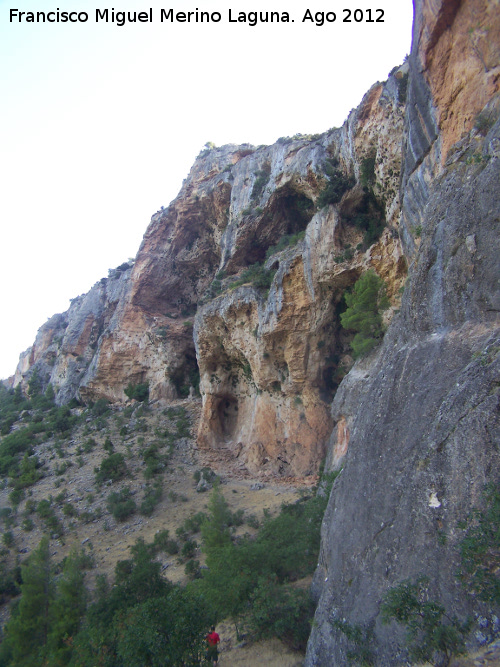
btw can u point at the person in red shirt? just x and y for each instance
(212, 640)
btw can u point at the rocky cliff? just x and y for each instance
(308, 214)
(237, 290)
(422, 412)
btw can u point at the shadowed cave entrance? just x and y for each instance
(288, 212)
(186, 376)
(226, 415)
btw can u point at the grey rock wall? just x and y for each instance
(423, 410)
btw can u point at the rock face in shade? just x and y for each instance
(416, 425)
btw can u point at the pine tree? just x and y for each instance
(27, 631)
(363, 315)
(215, 530)
(67, 610)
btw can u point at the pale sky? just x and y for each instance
(99, 124)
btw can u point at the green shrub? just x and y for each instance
(125, 266)
(155, 461)
(346, 256)
(49, 612)
(89, 445)
(192, 569)
(101, 407)
(139, 392)
(253, 521)
(207, 473)
(28, 473)
(87, 517)
(112, 468)
(152, 497)
(258, 275)
(6, 516)
(61, 419)
(363, 315)
(361, 640)
(120, 504)
(484, 122)
(162, 542)
(108, 446)
(43, 508)
(61, 497)
(189, 548)
(193, 523)
(431, 634)
(207, 148)
(181, 533)
(369, 216)
(10, 580)
(12, 403)
(16, 496)
(286, 548)
(12, 447)
(100, 424)
(284, 242)
(69, 510)
(372, 225)
(8, 539)
(35, 384)
(168, 630)
(261, 181)
(48, 516)
(237, 518)
(60, 469)
(215, 530)
(29, 507)
(402, 88)
(288, 545)
(27, 525)
(480, 549)
(215, 289)
(182, 424)
(281, 611)
(338, 184)
(367, 171)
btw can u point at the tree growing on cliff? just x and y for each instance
(365, 304)
(432, 636)
(337, 184)
(480, 549)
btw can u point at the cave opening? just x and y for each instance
(286, 216)
(186, 375)
(227, 415)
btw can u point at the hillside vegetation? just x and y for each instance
(192, 551)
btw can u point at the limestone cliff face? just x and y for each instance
(66, 345)
(416, 425)
(408, 186)
(269, 361)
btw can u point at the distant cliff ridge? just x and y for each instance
(237, 293)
